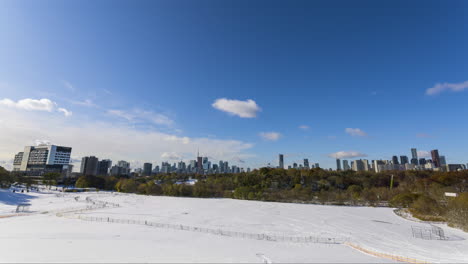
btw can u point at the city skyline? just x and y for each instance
(309, 80)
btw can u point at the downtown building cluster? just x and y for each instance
(401, 163)
(93, 166)
(295, 165)
(44, 158)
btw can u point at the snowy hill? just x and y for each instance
(56, 232)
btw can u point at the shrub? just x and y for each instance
(403, 199)
(457, 215)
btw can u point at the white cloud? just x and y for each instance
(270, 136)
(139, 116)
(244, 109)
(304, 127)
(106, 139)
(34, 105)
(171, 156)
(346, 155)
(424, 154)
(355, 132)
(441, 87)
(86, 102)
(64, 111)
(42, 142)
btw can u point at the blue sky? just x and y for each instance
(152, 70)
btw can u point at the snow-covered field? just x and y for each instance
(44, 236)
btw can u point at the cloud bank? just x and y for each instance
(244, 109)
(35, 105)
(139, 116)
(442, 87)
(107, 139)
(270, 136)
(346, 155)
(355, 132)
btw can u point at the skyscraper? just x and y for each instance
(414, 153)
(104, 166)
(306, 163)
(395, 160)
(338, 164)
(435, 158)
(346, 165)
(404, 160)
(422, 161)
(199, 164)
(442, 161)
(89, 166)
(281, 161)
(147, 168)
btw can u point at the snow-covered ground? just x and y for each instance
(45, 237)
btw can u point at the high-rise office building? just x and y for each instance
(316, 165)
(435, 158)
(422, 161)
(338, 164)
(281, 161)
(89, 166)
(395, 160)
(104, 166)
(199, 164)
(403, 160)
(295, 165)
(360, 165)
(306, 163)
(37, 160)
(414, 153)
(147, 168)
(346, 165)
(443, 162)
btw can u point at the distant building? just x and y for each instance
(403, 160)
(443, 162)
(121, 169)
(104, 167)
(346, 165)
(89, 166)
(306, 163)
(414, 154)
(422, 161)
(281, 161)
(316, 165)
(395, 160)
(338, 164)
(435, 158)
(454, 167)
(377, 165)
(147, 168)
(295, 165)
(37, 160)
(360, 165)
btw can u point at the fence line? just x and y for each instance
(387, 256)
(220, 232)
(75, 213)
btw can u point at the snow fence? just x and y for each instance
(385, 255)
(74, 213)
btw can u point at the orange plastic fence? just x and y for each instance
(387, 256)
